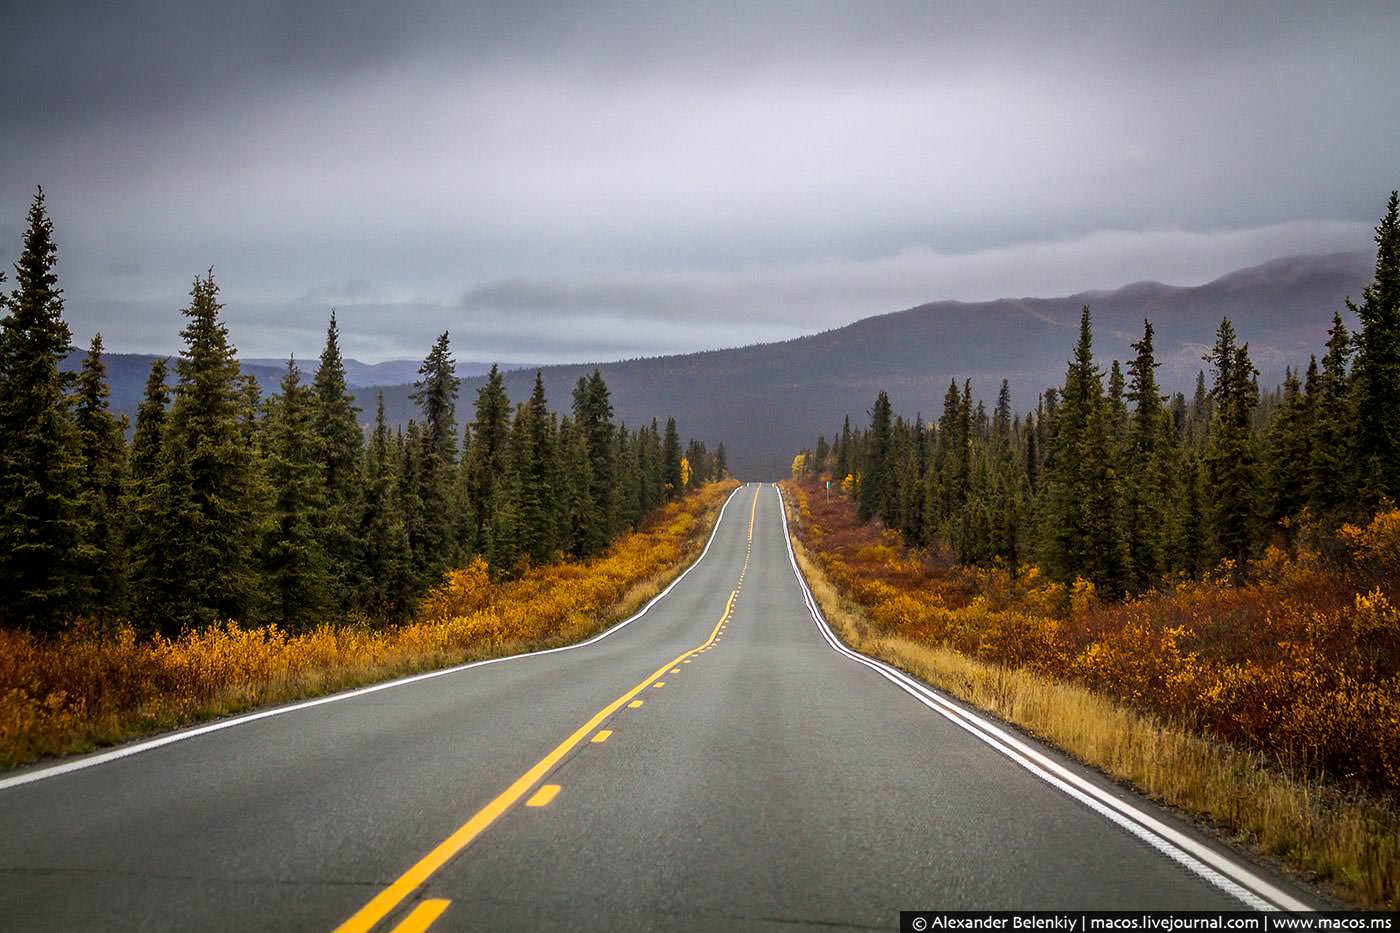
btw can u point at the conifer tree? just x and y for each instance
(489, 451)
(102, 450)
(433, 535)
(42, 527)
(578, 516)
(1231, 458)
(1377, 447)
(297, 585)
(1332, 474)
(876, 471)
(593, 414)
(533, 464)
(339, 445)
(384, 585)
(1288, 452)
(671, 461)
(1147, 460)
(208, 507)
(150, 560)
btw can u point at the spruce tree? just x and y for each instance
(1232, 461)
(1377, 446)
(297, 585)
(533, 463)
(1146, 502)
(42, 526)
(1288, 452)
(593, 414)
(339, 445)
(1332, 475)
(146, 496)
(102, 450)
(383, 582)
(671, 461)
(490, 451)
(578, 516)
(434, 534)
(208, 513)
(876, 469)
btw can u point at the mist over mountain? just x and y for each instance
(768, 400)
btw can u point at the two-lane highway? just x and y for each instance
(718, 762)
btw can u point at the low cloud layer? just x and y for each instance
(554, 181)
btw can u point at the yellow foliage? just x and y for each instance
(89, 687)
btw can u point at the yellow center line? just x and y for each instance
(602, 735)
(380, 906)
(634, 704)
(543, 796)
(423, 916)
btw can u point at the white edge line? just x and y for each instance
(1224, 873)
(126, 751)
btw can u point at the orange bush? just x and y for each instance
(1303, 662)
(90, 687)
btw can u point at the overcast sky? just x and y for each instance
(572, 181)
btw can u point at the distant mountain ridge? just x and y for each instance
(768, 400)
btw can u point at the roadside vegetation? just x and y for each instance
(1202, 598)
(237, 549)
(94, 686)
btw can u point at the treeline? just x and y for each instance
(226, 505)
(1111, 481)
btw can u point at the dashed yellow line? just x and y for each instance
(634, 704)
(383, 903)
(601, 735)
(543, 796)
(423, 916)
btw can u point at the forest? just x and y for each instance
(1110, 481)
(218, 504)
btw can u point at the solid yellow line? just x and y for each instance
(385, 901)
(602, 735)
(423, 916)
(543, 796)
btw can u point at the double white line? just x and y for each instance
(1214, 867)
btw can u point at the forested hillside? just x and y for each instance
(1110, 480)
(226, 504)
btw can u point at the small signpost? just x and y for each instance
(828, 490)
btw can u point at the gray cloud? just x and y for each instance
(776, 167)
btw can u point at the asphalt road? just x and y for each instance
(766, 780)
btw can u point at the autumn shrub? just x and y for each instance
(1302, 663)
(90, 686)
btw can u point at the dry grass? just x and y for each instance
(1341, 835)
(87, 689)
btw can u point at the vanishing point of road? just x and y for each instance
(718, 762)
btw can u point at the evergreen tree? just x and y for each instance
(533, 465)
(146, 496)
(1288, 452)
(1332, 476)
(1231, 459)
(578, 516)
(208, 507)
(42, 527)
(434, 536)
(339, 445)
(384, 585)
(593, 418)
(1147, 470)
(876, 473)
(293, 561)
(671, 461)
(489, 451)
(102, 449)
(1377, 447)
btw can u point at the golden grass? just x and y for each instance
(1345, 838)
(86, 688)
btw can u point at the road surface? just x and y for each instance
(716, 763)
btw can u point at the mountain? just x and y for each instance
(769, 400)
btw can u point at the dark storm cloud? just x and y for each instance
(567, 180)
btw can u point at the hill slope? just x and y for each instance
(769, 400)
